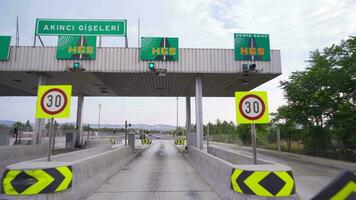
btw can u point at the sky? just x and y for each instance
(296, 27)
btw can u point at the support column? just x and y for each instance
(79, 127)
(188, 121)
(199, 111)
(39, 123)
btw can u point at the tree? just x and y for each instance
(322, 98)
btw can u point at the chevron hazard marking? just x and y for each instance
(253, 183)
(6, 182)
(235, 173)
(67, 173)
(263, 183)
(37, 181)
(43, 178)
(289, 184)
(346, 191)
(342, 187)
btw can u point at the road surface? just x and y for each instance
(160, 172)
(310, 178)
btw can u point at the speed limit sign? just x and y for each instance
(53, 101)
(251, 107)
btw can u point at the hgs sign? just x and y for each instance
(252, 47)
(159, 48)
(76, 47)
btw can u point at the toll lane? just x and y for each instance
(160, 172)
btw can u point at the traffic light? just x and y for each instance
(151, 66)
(253, 67)
(76, 65)
(247, 68)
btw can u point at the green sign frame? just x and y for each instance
(76, 47)
(5, 47)
(81, 27)
(159, 49)
(252, 47)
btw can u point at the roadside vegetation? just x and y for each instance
(320, 115)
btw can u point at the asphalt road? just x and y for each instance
(310, 178)
(160, 172)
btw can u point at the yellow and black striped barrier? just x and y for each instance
(37, 181)
(179, 142)
(342, 187)
(114, 141)
(146, 141)
(263, 183)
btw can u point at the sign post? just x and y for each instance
(53, 101)
(252, 108)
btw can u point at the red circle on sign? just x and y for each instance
(259, 99)
(59, 110)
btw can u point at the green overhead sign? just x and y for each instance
(252, 47)
(81, 27)
(5, 47)
(159, 49)
(76, 47)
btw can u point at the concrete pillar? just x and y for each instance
(39, 123)
(199, 111)
(131, 140)
(188, 120)
(79, 127)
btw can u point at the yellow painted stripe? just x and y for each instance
(253, 183)
(43, 178)
(68, 178)
(233, 178)
(288, 187)
(349, 188)
(6, 182)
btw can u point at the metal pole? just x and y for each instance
(188, 121)
(50, 140)
(88, 132)
(99, 118)
(54, 137)
(177, 118)
(138, 32)
(253, 138)
(17, 36)
(126, 42)
(278, 139)
(99, 41)
(125, 133)
(207, 139)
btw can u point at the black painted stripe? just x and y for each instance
(290, 173)
(70, 183)
(240, 181)
(335, 186)
(58, 178)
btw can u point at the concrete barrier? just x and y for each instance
(88, 173)
(233, 157)
(230, 181)
(19, 153)
(350, 166)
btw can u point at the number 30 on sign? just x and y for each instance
(251, 107)
(53, 101)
